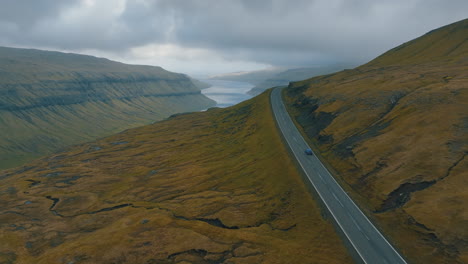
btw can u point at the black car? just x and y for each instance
(308, 152)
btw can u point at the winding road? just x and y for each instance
(365, 238)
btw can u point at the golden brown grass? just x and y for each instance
(212, 187)
(401, 121)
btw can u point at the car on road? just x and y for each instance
(308, 152)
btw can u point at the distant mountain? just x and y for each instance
(396, 132)
(283, 78)
(199, 84)
(264, 79)
(252, 77)
(49, 100)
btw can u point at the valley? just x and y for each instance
(50, 100)
(227, 93)
(209, 187)
(284, 152)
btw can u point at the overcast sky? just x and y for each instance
(215, 36)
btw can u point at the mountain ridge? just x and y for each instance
(49, 100)
(442, 44)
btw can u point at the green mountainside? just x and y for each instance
(49, 100)
(396, 132)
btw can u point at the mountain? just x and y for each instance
(49, 100)
(252, 77)
(396, 132)
(208, 187)
(199, 84)
(283, 78)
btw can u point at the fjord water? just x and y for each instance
(227, 93)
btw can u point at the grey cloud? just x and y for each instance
(24, 13)
(276, 32)
(350, 30)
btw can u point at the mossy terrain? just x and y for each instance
(396, 132)
(210, 187)
(49, 100)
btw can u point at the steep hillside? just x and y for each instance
(396, 132)
(210, 187)
(447, 45)
(49, 100)
(283, 78)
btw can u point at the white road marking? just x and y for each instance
(355, 223)
(319, 193)
(286, 127)
(336, 198)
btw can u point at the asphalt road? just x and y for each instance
(368, 242)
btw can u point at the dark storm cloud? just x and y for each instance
(276, 32)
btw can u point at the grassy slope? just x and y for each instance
(49, 100)
(211, 187)
(396, 131)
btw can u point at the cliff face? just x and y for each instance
(49, 100)
(396, 131)
(210, 187)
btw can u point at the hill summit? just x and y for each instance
(448, 44)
